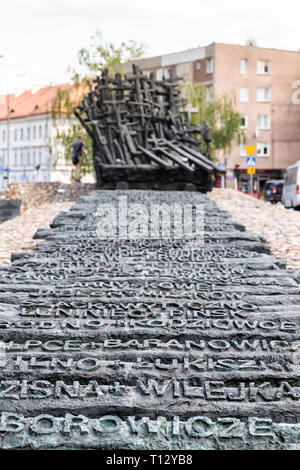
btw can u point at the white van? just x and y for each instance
(291, 189)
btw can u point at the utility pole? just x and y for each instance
(225, 177)
(8, 129)
(251, 164)
(251, 185)
(7, 103)
(8, 137)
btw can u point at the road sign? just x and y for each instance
(251, 170)
(251, 149)
(251, 162)
(4, 169)
(222, 166)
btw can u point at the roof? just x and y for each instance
(193, 54)
(31, 104)
(258, 47)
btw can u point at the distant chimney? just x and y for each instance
(251, 42)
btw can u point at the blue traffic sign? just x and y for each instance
(251, 162)
(4, 169)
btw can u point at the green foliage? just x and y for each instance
(220, 114)
(101, 55)
(92, 61)
(62, 104)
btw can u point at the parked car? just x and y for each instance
(291, 189)
(273, 191)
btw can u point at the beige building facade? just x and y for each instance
(265, 84)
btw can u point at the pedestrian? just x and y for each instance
(78, 150)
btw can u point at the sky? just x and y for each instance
(39, 39)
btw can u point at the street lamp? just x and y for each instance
(8, 111)
(8, 130)
(7, 104)
(8, 118)
(8, 137)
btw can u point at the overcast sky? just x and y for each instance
(40, 38)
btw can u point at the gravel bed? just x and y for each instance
(41, 203)
(16, 234)
(279, 226)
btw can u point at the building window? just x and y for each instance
(167, 75)
(244, 66)
(28, 133)
(198, 65)
(209, 66)
(263, 67)
(263, 95)
(263, 122)
(21, 133)
(243, 151)
(15, 158)
(21, 159)
(244, 95)
(16, 134)
(209, 93)
(263, 149)
(34, 132)
(3, 135)
(244, 123)
(159, 74)
(40, 132)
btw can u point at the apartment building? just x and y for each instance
(263, 82)
(27, 137)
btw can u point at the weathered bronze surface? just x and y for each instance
(148, 343)
(142, 134)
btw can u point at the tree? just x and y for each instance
(101, 55)
(91, 61)
(220, 114)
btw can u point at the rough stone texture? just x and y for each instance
(16, 235)
(280, 227)
(9, 209)
(35, 194)
(148, 344)
(40, 203)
